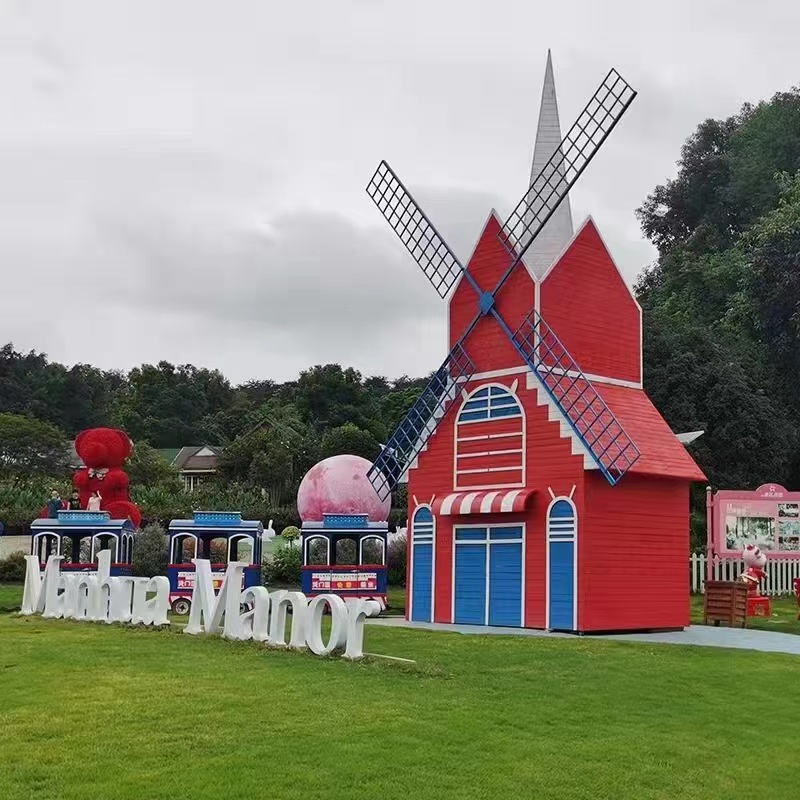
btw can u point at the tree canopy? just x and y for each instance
(722, 302)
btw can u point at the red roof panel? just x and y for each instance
(661, 451)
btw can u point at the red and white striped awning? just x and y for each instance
(496, 502)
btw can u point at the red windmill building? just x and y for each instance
(545, 489)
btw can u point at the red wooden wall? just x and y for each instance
(633, 551)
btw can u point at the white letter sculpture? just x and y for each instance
(232, 613)
(93, 597)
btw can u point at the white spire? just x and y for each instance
(558, 232)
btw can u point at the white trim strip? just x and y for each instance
(498, 373)
(490, 436)
(489, 469)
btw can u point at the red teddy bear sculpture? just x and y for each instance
(103, 451)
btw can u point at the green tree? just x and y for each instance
(30, 446)
(168, 406)
(328, 396)
(772, 247)
(698, 381)
(726, 176)
(150, 554)
(721, 332)
(349, 439)
(147, 467)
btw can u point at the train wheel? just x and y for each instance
(181, 606)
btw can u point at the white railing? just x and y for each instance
(779, 580)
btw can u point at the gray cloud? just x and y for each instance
(186, 180)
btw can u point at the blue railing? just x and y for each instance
(585, 410)
(411, 434)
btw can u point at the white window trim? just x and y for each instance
(380, 541)
(456, 439)
(307, 550)
(180, 535)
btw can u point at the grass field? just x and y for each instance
(107, 712)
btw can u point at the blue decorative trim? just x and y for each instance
(218, 518)
(344, 520)
(96, 517)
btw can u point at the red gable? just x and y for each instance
(488, 345)
(586, 302)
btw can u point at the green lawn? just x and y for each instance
(107, 712)
(10, 596)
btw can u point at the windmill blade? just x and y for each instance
(586, 412)
(410, 436)
(414, 229)
(583, 140)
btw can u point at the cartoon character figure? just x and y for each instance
(103, 451)
(754, 561)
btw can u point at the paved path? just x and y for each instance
(699, 635)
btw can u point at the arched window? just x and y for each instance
(490, 440)
(561, 520)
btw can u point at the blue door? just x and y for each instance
(562, 531)
(422, 566)
(505, 577)
(422, 571)
(470, 590)
(562, 587)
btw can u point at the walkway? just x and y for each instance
(698, 635)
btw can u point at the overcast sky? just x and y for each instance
(184, 180)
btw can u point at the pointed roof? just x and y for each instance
(558, 231)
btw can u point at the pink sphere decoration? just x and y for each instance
(339, 485)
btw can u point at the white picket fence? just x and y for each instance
(780, 574)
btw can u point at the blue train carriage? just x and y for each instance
(236, 539)
(79, 536)
(324, 551)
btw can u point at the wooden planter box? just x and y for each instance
(725, 602)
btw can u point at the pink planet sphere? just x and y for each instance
(339, 485)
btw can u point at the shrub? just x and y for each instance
(396, 560)
(12, 568)
(150, 552)
(284, 567)
(291, 533)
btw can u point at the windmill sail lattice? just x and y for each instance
(586, 411)
(414, 229)
(579, 402)
(410, 436)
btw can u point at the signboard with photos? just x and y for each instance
(769, 517)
